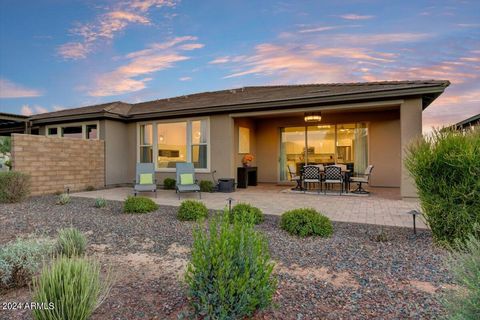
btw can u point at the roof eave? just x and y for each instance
(300, 102)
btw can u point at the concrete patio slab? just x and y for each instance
(382, 207)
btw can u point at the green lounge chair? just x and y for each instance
(145, 180)
(186, 181)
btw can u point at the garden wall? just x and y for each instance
(56, 164)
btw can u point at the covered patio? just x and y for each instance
(383, 206)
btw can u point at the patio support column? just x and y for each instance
(410, 128)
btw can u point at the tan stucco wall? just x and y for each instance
(250, 124)
(384, 153)
(56, 164)
(410, 128)
(117, 151)
(387, 173)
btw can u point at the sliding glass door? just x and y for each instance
(323, 144)
(292, 151)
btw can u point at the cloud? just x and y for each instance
(319, 29)
(135, 74)
(468, 25)
(107, 25)
(74, 50)
(220, 60)
(27, 110)
(185, 78)
(352, 16)
(9, 89)
(58, 108)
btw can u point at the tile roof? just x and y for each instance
(246, 96)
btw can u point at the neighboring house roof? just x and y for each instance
(253, 98)
(472, 121)
(9, 122)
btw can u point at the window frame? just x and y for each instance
(188, 142)
(73, 124)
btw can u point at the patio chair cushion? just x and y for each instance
(146, 178)
(188, 188)
(186, 179)
(359, 179)
(145, 187)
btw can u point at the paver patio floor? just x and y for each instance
(382, 207)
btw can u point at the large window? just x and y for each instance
(171, 144)
(74, 130)
(167, 143)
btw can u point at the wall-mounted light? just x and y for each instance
(312, 117)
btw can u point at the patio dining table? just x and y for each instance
(345, 172)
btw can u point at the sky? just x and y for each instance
(57, 54)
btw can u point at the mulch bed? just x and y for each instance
(361, 272)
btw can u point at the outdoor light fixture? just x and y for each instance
(312, 117)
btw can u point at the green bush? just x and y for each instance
(206, 186)
(14, 186)
(71, 242)
(64, 199)
(100, 203)
(446, 170)
(245, 211)
(229, 275)
(169, 184)
(306, 222)
(90, 188)
(20, 259)
(192, 210)
(73, 286)
(139, 205)
(464, 302)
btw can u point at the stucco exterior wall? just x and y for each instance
(410, 128)
(384, 153)
(383, 125)
(117, 152)
(250, 124)
(56, 164)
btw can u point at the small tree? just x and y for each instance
(446, 170)
(230, 272)
(5, 144)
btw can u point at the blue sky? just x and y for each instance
(61, 54)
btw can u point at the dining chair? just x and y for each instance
(292, 171)
(333, 175)
(311, 174)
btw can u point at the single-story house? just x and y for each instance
(468, 124)
(351, 123)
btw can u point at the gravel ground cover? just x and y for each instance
(361, 272)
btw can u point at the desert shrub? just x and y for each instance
(14, 186)
(20, 259)
(63, 199)
(139, 205)
(169, 184)
(446, 170)
(73, 286)
(206, 186)
(71, 242)
(245, 211)
(90, 188)
(100, 203)
(229, 275)
(464, 301)
(192, 210)
(306, 222)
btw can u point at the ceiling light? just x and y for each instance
(312, 117)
